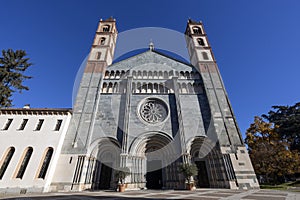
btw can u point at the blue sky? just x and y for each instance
(256, 44)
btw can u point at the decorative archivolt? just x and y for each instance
(106, 150)
(201, 146)
(150, 142)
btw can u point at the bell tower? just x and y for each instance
(103, 47)
(201, 56)
(74, 165)
(86, 104)
(198, 46)
(237, 164)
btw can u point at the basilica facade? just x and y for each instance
(150, 112)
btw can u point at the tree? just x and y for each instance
(121, 173)
(188, 170)
(12, 68)
(271, 156)
(287, 121)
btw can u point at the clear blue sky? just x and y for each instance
(256, 44)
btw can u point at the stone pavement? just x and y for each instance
(199, 194)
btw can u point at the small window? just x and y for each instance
(46, 162)
(7, 125)
(200, 41)
(102, 41)
(58, 124)
(24, 163)
(205, 56)
(39, 125)
(105, 28)
(23, 124)
(98, 55)
(6, 161)
(197, 30)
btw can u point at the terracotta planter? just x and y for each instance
(190, 186)
(121, 187)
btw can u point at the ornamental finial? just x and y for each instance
(151, 45)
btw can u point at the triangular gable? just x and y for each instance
(151, 61)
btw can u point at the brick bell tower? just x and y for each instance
(74, 165)
(238, 167)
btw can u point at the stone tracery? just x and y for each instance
(153, 111)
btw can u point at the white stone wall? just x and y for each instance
(38, 140)
(64, 172)
(243, 168)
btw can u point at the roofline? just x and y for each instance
(110, 19)
(160, 53)
(43, 111)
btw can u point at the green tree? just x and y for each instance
(13, 64)
(271, 156)
(188, 170)
(121, 173)
(287, 121)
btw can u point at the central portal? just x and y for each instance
(151, 157)
(202, 175)
(105, 177)
(154, 174)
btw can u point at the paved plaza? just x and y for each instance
(202, 194)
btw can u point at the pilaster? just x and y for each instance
(180, 121)
(126, 121)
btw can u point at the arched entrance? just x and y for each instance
(154, 162)
(151, 154)
(199, 154)
(106, 152)
(214, 168)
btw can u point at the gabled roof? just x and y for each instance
(147, 57)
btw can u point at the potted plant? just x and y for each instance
(121, 173)
(188, 170)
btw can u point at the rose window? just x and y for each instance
(153, 111)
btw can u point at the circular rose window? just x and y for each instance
(153, 110)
